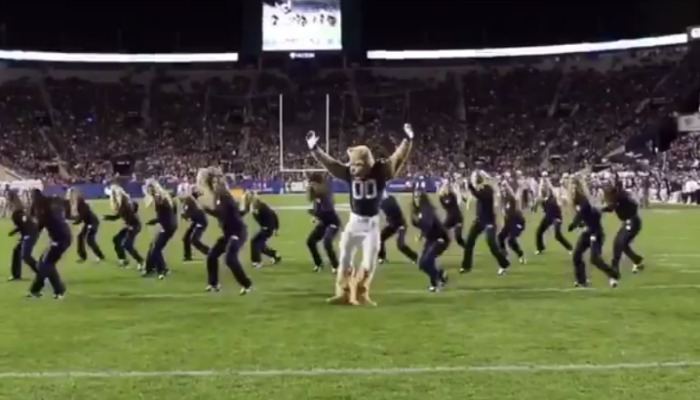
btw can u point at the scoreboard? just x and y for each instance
(301, 25)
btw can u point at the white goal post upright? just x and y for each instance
(281, 135)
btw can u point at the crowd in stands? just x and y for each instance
(67, 123)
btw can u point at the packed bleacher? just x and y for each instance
(69, 123)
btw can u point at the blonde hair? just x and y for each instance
(445, 188)
(577, 187)
(544, 189)
(72, 196)
(250, 198)
(158, 191)
(209, 181)
(117, 197)
(509, 193)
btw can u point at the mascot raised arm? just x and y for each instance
(367, 179)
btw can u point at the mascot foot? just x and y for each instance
(363, 289)
(337, 300)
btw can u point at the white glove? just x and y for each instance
(408, 130)
(311, 140)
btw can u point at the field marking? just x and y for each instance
(676, 255)
(320, 372)
(448, 291)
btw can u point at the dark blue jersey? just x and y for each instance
(24, 224)
(429, 224)
(513, 214)
(586, 214)
(52, 218)
(84, 214)
(191, 212)
(450, 204)
(128, 212)
(484, 204)
(324, 211)
(266, 217)
(166, 215)
(551, 207)
(623, 205)
(392, 211)
(228, 213)
(366, 192)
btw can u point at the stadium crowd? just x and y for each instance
(169, 122)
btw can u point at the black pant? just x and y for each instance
(155, 261)
(23, 252)
(325, 233)
(454, 224)
(124, 243)
(474, 231)
(432, 249)
(592, 240)
(546, 222)
(87, 234)
(193, 237)
(509, 235)
(389, 231)
(47, 268)
(625, 235)
(258, 246)
(228, 246)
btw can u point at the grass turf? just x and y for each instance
(114, 322)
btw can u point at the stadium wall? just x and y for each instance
(135, 189)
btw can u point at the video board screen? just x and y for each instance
(301, 25)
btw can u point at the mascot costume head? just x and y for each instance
(361, 160)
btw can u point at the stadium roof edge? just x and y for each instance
(167, 58)
(117, 58)
(530, 51)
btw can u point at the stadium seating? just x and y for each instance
(171, 121)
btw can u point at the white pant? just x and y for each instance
(360, 233)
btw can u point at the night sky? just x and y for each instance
(188, 26)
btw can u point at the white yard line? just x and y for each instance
(677, 255)
(448, 291)
(320, 372)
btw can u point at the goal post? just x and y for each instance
(292, 131)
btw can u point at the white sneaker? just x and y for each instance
(245, 291)
(522, 260)
(636, 268)
(613, 282)
(501, 271)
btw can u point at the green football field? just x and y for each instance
(527, 335)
